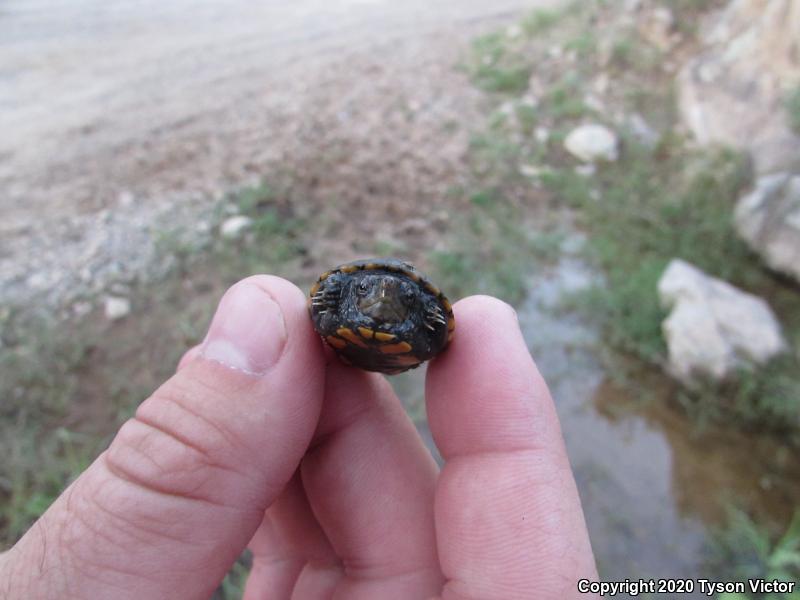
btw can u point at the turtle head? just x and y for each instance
(385, 298)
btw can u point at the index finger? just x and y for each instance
(509, 522)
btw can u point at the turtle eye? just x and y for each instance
(363, 287)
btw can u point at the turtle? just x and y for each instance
(381, 315)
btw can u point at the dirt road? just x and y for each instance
(116, 116)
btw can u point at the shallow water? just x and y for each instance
(652, 485)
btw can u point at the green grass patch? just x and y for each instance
(496, 67)
(793, 106)
(66, 387)
(539, 21)
(564, 100)
(232, 587)
(656, 204)
(744, 550)
(492, 249)
(584, 44)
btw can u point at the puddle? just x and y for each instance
(622, 465)
(652, 486)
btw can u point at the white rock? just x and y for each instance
(532, 171)
(514, 31)
(117, 307)
(592, 142)
(768, 219)
(233, 227)
(81, 308)
(713, 327)
(733, 92)
(542, 134)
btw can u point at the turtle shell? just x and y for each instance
(381, 315)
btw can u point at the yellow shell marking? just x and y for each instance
(314, 289)
(336, 342)
(350, 336)
(447, 305)
(366, 333)
(451, 324)
(399, 348)
(349, 269)
(384, 337)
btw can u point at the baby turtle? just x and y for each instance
(381, 315)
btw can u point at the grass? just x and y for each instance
(66, 387)
(671, 202)
(232, 587)
(793, 107)
(498, 63)
(539, 21)
(494, 248)
(656, 203)
(494, 70)
(744, 550)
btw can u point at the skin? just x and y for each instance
(263, 439)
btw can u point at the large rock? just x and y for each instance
(714, 328)
(591, 143)
(769, 221)
(734, 92)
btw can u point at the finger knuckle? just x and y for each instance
(170, 448)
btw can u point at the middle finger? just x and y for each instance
(370, 482)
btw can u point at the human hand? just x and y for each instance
(336, 499)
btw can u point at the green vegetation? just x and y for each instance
(499, 62)
(659, 201)
(757, 554)
(497, 68)
(66, 387)
(657, 204)
(793, 106)
(494, 249)
(232, 587)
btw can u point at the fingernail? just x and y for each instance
(248, 332)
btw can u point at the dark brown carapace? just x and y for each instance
(381, 315)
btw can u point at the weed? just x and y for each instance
(493, 250)
(793, 106)
(67, 387)
(495, 68)
(527, 117)
(540, 21)
(671, 202)
(755, 553)
(565, 100)
(584, 45)
(232, 587)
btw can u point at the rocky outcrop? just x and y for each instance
(713, 328)
(768, 219)
(735, 91)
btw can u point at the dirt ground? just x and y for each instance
(121, 123)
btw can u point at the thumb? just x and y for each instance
(165, 511)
